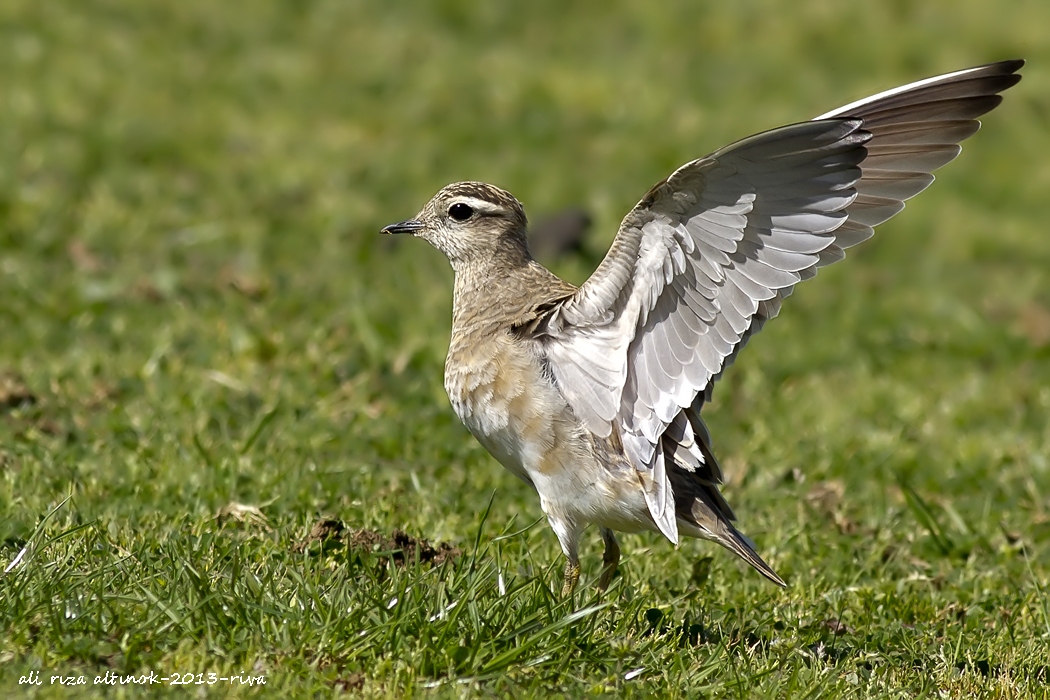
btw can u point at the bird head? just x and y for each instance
(470, 221)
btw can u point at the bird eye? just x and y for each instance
(460, 211)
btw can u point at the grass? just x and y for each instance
(196, 312)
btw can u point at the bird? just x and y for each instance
(592, 395)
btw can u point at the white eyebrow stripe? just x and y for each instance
(480, 205)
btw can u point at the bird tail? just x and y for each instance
(700, 509)
(741, 545)
(699, 516)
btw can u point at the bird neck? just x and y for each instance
(500, 291)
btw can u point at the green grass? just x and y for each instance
(196, 310)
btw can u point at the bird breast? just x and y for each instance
(498, 389)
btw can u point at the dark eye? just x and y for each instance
(460, 211)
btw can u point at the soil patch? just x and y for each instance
(399, 546)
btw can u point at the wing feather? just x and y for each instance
(869, 210)
(709, 255)
(850, 234)
(893, 184)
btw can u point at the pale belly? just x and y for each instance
(525, 423)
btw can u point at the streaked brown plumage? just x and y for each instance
(593, 395)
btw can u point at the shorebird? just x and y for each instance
(593, 395)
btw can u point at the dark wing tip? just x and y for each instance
(1010, 65)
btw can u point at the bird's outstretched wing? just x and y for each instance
(708, 255)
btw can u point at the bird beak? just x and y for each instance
(409, 226)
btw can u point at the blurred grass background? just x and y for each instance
(196, 310)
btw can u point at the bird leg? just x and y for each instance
(610, 559)
(568, 533)
(572, 576)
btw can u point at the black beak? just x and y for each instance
(409, 226)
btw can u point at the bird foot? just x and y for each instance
(572, 577)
